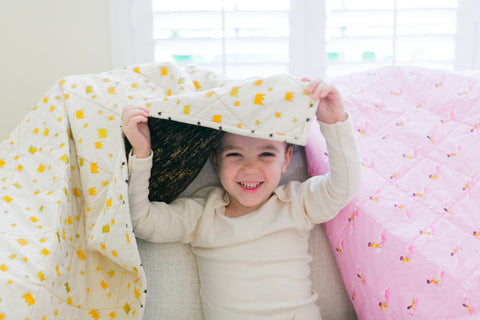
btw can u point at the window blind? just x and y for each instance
(241, 38)
(238, 38)
(370, 33)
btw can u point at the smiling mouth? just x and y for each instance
(250, 185)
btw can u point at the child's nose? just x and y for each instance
(250, 165)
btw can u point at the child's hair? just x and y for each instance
(289, 145)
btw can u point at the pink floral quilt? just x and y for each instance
(408, 246)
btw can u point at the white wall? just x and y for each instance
(468, 42)
(42, 41)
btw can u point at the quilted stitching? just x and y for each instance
(408, 245)
(67, 248)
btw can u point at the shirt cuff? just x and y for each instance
(139, 164)
(327, 127)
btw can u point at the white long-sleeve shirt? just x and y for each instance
(255, 266)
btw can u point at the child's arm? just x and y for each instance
(158, 221)
(153, 221)
(324, 196)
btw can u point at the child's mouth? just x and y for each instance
(250, 186)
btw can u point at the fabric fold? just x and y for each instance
(67, 246)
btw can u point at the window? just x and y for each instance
(238, 38)
(243, 38)
(370, 33)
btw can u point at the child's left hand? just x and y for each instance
(330, 107)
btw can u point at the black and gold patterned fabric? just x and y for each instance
(180, 151)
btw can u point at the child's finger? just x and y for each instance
(131, 110)
(313, 85)
(133, 122)
(325, 90)
(321, 91)
(129, 113)
(138, 119)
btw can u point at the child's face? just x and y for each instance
(249, 170)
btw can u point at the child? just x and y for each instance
(250, 236)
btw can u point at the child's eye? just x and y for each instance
(233, 154)
(267, 154)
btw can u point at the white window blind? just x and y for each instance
(235, 37)
(371, 33)
(243, 38)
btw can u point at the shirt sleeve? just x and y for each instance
(158, 221)
(322, 197)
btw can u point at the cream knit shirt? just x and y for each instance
(255, 266)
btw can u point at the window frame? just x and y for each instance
(131, 29)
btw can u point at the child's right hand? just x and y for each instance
(135, 128)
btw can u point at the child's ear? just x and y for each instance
(213, 159)
(288, 157)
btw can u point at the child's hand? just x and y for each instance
(135, 128)
(330, 108)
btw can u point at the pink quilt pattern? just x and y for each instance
(408, 246)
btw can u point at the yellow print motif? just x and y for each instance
(81, 255)
(466, 304)
(360, 276)
(340, 247)
(289, 96)
(412, 155)
(94, 167)
(79, 114)
(437, 281)
(197, 85)
(29, 298)
(407, 257)
(94, 314)
(411, 308)
(127, 308)
(379, 243)
(234, 92)
(384, 303)
(259, 99)
(102, 133)
(447, 210)
(375, 196)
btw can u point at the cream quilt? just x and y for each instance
(67, 249)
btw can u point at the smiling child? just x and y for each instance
(250, 235)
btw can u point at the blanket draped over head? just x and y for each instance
(66, 242)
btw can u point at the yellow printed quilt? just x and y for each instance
(67, 249)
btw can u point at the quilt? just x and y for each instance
(67, 249)
(408, 246)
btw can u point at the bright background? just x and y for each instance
(43, 41)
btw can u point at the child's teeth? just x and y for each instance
(250, 185)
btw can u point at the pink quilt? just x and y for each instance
(408, 246)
